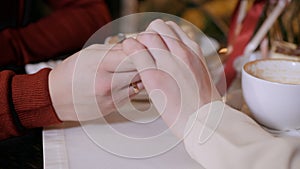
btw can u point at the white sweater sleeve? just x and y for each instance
(237, 141)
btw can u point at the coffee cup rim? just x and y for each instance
(269, 59)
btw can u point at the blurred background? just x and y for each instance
(211, 16)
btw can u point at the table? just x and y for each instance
(68, 146)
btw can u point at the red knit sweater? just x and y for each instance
(66, 29)
(30, 98)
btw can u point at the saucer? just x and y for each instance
(280, 133)
(235, 100)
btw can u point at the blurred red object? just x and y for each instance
(238, 42)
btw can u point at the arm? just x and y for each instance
(239, 142)
(69, 92)
(65, 30)
(29, 96)
(234, 139)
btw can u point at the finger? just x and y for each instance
(105, 46)
(117, 62)
(187, 41)
(160, 27)
(138, 55)
(111, 58)
(169, 37)
(127, 94)
(152, 40)
(172, 41)
(135, 88)
(195, 48)
(185, 38)
(122, 89)
(122, 96)
(143, 60)
(156, 47)
(123, 80)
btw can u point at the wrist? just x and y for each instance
(31, 100)
(61, 97)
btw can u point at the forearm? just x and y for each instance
(25, 103)
(239, 142)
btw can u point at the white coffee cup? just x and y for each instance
(271, 89)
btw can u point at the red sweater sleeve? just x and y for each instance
(30, 99)
(65, 30)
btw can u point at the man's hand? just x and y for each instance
(173, 72)
(91, 83)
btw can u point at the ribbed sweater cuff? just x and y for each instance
(32, 100)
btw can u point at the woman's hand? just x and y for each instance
(91, 83)
(173, 72)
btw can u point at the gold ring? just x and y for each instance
(135, 87)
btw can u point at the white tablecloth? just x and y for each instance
(68, 146)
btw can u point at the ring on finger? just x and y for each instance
(135, 87)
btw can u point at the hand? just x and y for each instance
(91, 83)
(173, 72)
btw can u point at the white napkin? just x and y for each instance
(33, 68)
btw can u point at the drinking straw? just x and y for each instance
(252, 45)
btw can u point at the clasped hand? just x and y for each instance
(162, 59)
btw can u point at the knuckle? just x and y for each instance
(127, 41)
(148, 37)
(130, 46)
(156, 22)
